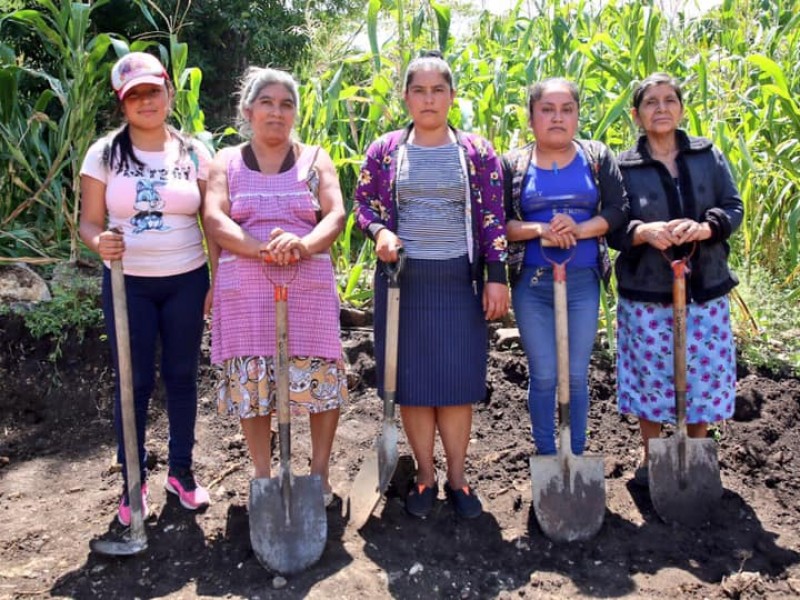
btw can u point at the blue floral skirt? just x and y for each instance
(645, 385)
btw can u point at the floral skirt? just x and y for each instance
(645, 369)
(248, 387)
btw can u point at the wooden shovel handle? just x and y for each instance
(562, 335)
(679, 270)
(125, 367)
(392, 271)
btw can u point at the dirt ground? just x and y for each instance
(59, 489)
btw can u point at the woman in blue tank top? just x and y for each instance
(567, 194)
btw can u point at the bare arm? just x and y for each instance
(108, 244)
(220, 228)
(594, 227)
(284, 244)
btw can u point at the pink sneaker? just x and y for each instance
(124, 511)
(182, 484)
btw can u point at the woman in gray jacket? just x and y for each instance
(683, 201)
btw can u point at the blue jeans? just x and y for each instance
(532, 298)
(169, 308)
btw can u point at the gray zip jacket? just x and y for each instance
(709, 196)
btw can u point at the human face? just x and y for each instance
(429, 98)
(272, 113)
(554, 118)
(146, 106)
(660, 111)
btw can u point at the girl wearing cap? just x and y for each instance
(436, 193)
(142, 187)
(275, 198)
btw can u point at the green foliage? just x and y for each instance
(768, 322)
(44, 135)
(73, 310)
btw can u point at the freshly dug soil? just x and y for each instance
(59, 488)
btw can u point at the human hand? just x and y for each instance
(111, 245)
(563, 224)
(495, 300)
(386, 245)
(688, 230)
(552, 239)
(657, 234)
(284, 247)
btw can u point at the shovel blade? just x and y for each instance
(569, 495)
(685, 493)
(387, 455)
(365, 492)
(128, 546)
(374, 477)
(287, 542)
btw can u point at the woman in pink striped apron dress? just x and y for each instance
(273, 197)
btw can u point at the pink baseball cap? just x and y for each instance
(134, 69)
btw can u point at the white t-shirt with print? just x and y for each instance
(155, 206)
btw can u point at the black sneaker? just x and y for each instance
(419, 502)
(464, 500)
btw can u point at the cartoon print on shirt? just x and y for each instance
(149, 204)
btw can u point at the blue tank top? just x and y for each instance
(571, 190)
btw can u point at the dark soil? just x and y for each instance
(59, 488)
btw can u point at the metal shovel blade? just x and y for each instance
(569, 495)
(128, 546)
(287, 541)
(373, 477)
(684, 491)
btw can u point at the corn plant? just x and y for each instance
(42, 140)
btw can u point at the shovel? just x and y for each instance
(135, 541)
(683, 472)
(288, 525)
(569, 495)
(377, 470)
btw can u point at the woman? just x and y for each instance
(435, 192)
(142, 188)
(275, 199)
(684, 202)
(562, 196)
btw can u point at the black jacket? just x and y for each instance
(709, 195)
(612, 205)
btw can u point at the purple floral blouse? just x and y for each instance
(376, 201)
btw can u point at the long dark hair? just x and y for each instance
(119, 154)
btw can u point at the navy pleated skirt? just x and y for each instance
(442, 353)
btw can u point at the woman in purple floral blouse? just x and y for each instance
(436, 193)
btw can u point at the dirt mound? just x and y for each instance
(59, 488)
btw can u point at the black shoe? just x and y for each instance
(465, 502)
(419, 502)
